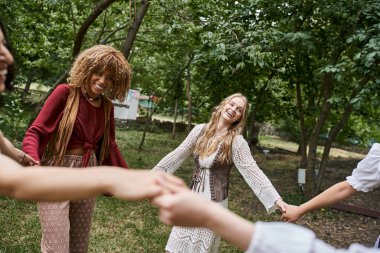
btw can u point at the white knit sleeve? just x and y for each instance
(253, 175)
(281, 237)
(172, 161)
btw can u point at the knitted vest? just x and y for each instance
(219, 176)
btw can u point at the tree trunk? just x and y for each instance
(327, 147)
(175, 118)
(254, 140)
(178, 95)
(135, 27)
(27, 86)
(311, 184)
(177, 99)
(303, 131)
(189, 104)
(147, 122)
(333, 133)
(99, 8)
(310, 188)
(252, 133)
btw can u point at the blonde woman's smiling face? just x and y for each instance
(233, 110)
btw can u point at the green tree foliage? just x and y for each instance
(312, 66)
(40, 35)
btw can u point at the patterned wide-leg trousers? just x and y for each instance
(66, 225)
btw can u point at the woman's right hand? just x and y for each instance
(292, 213)
(27, 160)
(183, 208)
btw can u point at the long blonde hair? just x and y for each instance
(93, 60)
(206, 145)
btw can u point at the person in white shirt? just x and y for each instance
(184, 208)
(364, 178)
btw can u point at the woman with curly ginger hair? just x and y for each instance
(76, 128)
(216, 146)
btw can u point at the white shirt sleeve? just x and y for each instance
(253, 175)
(281, 237)
(172, 161)
(366, 176)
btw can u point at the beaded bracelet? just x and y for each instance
(23, 158)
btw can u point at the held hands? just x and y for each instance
(27, 160)
(281, 205)
(14, 153)
(183, 208)
(140, 184)
(292, 214)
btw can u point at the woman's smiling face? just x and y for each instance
(100, 82)
(233, 110)
(6, 59)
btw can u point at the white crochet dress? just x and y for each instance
(199, 240)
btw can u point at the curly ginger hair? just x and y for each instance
(95, 60)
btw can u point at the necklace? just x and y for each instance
(88, 96)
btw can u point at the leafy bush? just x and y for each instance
(15, 116)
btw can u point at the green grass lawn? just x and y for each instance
(120, 226)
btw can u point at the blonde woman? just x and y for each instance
(216, 146)
(75, 128)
